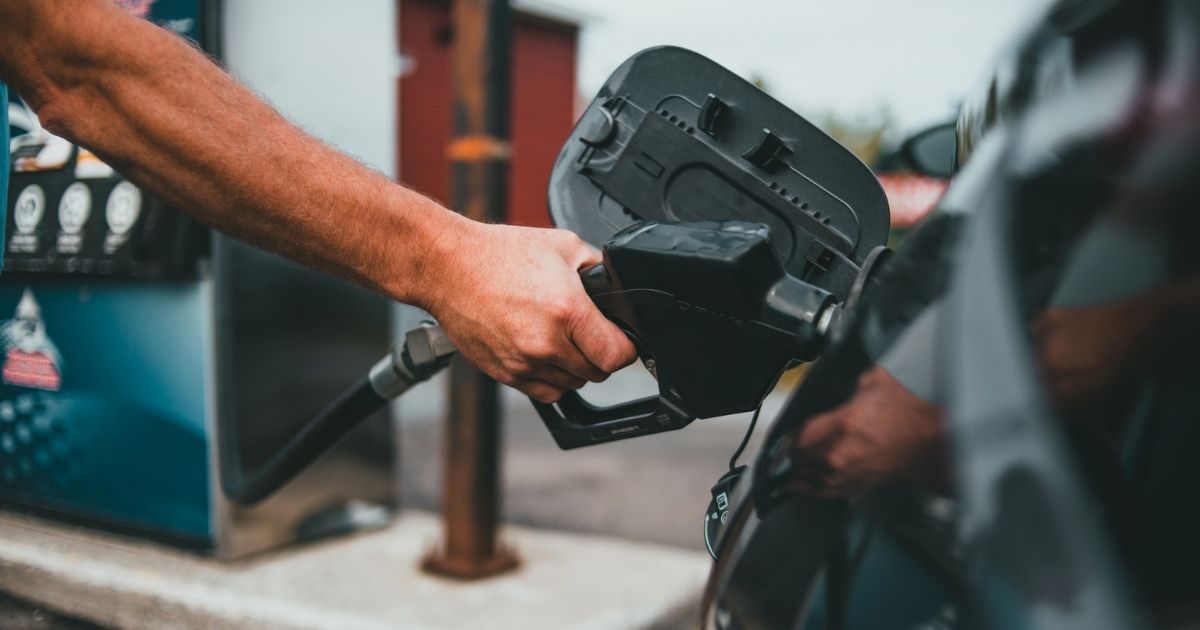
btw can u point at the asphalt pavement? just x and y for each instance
(652, 488)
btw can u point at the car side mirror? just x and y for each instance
(933, 152)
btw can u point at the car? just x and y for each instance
(1047, 313)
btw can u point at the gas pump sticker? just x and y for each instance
(73, 211)
(30, 357)
(27, 215)
(121, 211)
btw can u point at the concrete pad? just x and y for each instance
(654, 488)
(361, 582)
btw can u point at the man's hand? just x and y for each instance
(882, 432)
(511, 300)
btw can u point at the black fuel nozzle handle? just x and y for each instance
(574, 422)
(597, 281)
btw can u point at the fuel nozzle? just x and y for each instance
(715, 316)
(425, 351)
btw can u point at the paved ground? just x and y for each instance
(365, 582)
(652, 488)
(16, 614)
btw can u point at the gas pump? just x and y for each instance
(144, 357)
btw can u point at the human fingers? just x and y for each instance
(558, 377)
(819, 429)
(601, 342)
(554, 355)
(538, 390)
(603, 347)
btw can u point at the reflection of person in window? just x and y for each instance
(886, 433)
(1087, 351)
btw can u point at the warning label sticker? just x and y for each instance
(30, 357)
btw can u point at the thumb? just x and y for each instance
(579, 254)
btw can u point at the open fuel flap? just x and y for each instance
(732, 230)
(673, 136)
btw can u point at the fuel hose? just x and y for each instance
(425, 351)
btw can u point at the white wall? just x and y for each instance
(330, 67)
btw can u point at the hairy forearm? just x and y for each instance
(173, 122)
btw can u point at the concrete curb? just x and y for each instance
(367, 581)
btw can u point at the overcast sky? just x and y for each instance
(916, 57)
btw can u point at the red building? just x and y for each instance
(542, 108)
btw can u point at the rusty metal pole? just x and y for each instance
(479, 158)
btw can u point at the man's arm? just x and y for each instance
(173, 122)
